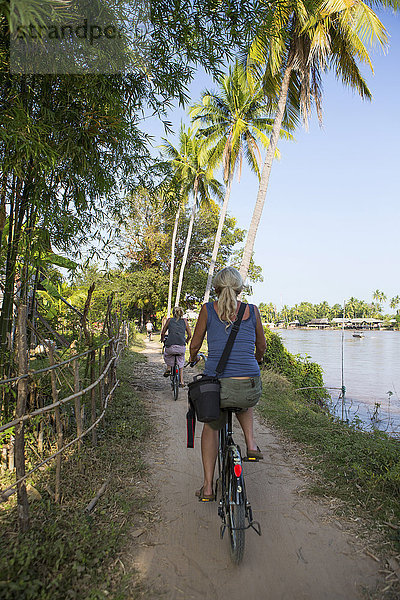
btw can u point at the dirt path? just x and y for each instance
(302, 554)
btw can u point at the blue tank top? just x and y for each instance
(241, 361)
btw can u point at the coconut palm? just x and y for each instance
(174, 202)
(300, 42)
(379, 297)
(192, 168)
(172, 265)
(233, 121)
(394, 303)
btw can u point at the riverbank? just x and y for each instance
(351, 330)
(368, 367)
(358, 471)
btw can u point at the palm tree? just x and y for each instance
(394, 303)
(323, 310)
(379, 297)
(298, 44)
(267, 311)
(175, 199)
(190, 164)
(351, 307)
(233, 121)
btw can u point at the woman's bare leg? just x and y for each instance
(209, 450)
(246, 422)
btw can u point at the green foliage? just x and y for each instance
(362, 468)
(300, 371)
(68, 554)
(234, 121)
(142, 281)
(70, 145)
(305, 311)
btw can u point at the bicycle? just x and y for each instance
(234, 509)
(174, 373)
(174, 376)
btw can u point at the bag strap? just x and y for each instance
(227, 350)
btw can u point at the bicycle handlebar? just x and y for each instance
(200, 356)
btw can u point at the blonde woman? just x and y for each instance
(178, 333)
(240, 381)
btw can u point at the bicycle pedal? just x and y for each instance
(250, 459)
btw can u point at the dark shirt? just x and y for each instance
(176, 333)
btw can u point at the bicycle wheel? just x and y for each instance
(236, 514)
(175, 381)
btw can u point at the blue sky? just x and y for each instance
(330, 226)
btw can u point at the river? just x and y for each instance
(371, 370)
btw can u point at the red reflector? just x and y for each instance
(237, 470)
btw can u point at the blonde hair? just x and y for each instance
(228, 284)
(177, 311)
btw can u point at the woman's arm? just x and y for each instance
(199, 333)
(164, 329)
(261, 344)
(188, 331)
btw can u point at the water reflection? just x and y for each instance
(371, 370)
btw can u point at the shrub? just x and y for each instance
(299, 370)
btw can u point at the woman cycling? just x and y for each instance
(240, 381)
(178, 335)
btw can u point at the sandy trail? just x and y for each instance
(301, 555)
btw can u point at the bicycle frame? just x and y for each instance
(174, 376)
(229, 452)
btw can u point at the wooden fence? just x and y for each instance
(99, 366)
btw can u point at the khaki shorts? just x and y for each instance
(240, 394)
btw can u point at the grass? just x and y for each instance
(68, 554)
(360, 468)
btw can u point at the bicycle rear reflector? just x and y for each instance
(237, 470)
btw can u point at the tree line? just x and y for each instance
(353, 308)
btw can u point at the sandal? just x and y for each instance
(204, 497)
(255, 454)
(167, 373)
(182, 385)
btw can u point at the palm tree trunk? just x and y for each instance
(172, 267)
(188, 237)
(217, 239)
(262, 190)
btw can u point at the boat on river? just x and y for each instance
(358, 334)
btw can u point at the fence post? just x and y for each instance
(106, 378)
(19, 444)
(78, 414)
(59, 428)
(3, 467)
(93, 396)
(11, 456)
